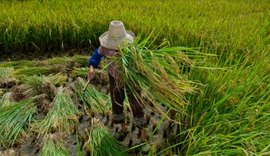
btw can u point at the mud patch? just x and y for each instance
(8, 83)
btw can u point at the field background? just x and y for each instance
(236, 28)
(229, 115)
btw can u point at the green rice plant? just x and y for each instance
(4, 100)
(92, 98)
(101, 143)
(62, 117)
(80, 72)
(232, 28)
(18, 64)
(83, 71)
(158, 73)
(14, 119)
(36, 81)
(231, 115)
(29, 71)
(58, 60)
(53, 147)
(81, 59)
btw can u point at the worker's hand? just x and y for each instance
(91, 73)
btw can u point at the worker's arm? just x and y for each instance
(95, 59)
(93, 62)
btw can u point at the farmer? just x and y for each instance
(110, 42)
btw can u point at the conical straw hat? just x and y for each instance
(116, 36)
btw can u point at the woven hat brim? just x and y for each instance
(115, 44)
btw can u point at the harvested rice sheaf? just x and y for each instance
(5, 100)
(14, 119)
(53, 147)
(36, 81)
(80, 59)
(102, 143)
(80, 72)
(18, 64)
(29, 71)
(62, 117)
(92, 98)
(101, 77)
(5, 73)
(7, 77)
(58, 60)
(158, 72)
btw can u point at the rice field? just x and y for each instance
(203, 68)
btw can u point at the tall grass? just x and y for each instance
(221, 26)
(231, 114)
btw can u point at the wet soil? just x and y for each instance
(160, 133)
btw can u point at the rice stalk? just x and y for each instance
(61, 118)
(158, 73)
(83, 71)
(18, 64)
(29, 71)
(82, 60)
(101, 142)
(37, 28)
(231, 115)
(4, 100)
(53, 147)
(80, 72)
(13, 119)
(36, 81)
(58, 60)
(5, 73)
(92, 98)
(2, 92)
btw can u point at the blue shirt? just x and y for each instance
(95, 59)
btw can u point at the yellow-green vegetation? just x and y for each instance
(61, 118)
(97, 101)
(101, 142)
(14, 118)
(158, 72)
(36, 81)
(239, 27)
(5, 73)
(229, 111)
(53, 146)
(4, 101)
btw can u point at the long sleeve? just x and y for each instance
(95, 59)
